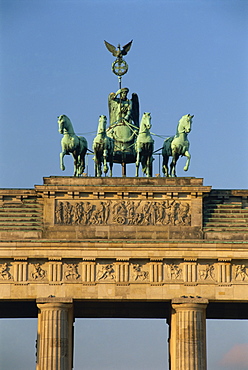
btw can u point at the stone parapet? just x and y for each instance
(121, 181)
(122, 208)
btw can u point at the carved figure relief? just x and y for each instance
(207, 272)
(183, 215)
(240, 272)
(174, 271)
(106, 272)
(38, 272)
(77, 213)
(98, 215)
(4, 272)
(123, 213)
(133, 272)
(67, 212)
(71, 271)
(138, 273)
(59, 213)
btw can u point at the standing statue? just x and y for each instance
(144, 146)
(103, 147)
(72, 144)
(124, 124)
(177, 145)
(121, 109)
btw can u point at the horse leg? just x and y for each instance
(137, 164)
(96, 165)
(105, 165)
(111, 167)
(143, 161)
(81, 164)
(187, 154)
(96, 162)
(175, 157)
(75, 156)
(62, 165)
(99, 165)
(149, 165)
(165, 169)
(146, 165)
(98, 168)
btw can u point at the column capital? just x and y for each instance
(53, 300)
(189, 300)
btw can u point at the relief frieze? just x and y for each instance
(207, 272)
(139, 273)
(38, 273)
(114, 271)
(71, 271)
(124, 212)
(4, 272)
(106, 272)
(174, 271)
(240, 273)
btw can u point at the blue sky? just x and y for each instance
(186, 57)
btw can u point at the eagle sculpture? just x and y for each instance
(117, 52)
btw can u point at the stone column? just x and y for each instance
(188, 334)
(55, 334)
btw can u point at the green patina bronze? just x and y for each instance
(123, 112)
(126, 140)
(103, 147)
(119, 66)
(72, 144)
(144, 146)
(124, 125)
(176, 146)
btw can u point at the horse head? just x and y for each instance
(102, 124)
(185, 123)
(61, 122)
(145, 123)
(65, 125)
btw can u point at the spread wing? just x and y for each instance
(111, 48)
(113, 110)
(126, 48)
(135, 109)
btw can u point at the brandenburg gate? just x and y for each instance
(126, 247)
